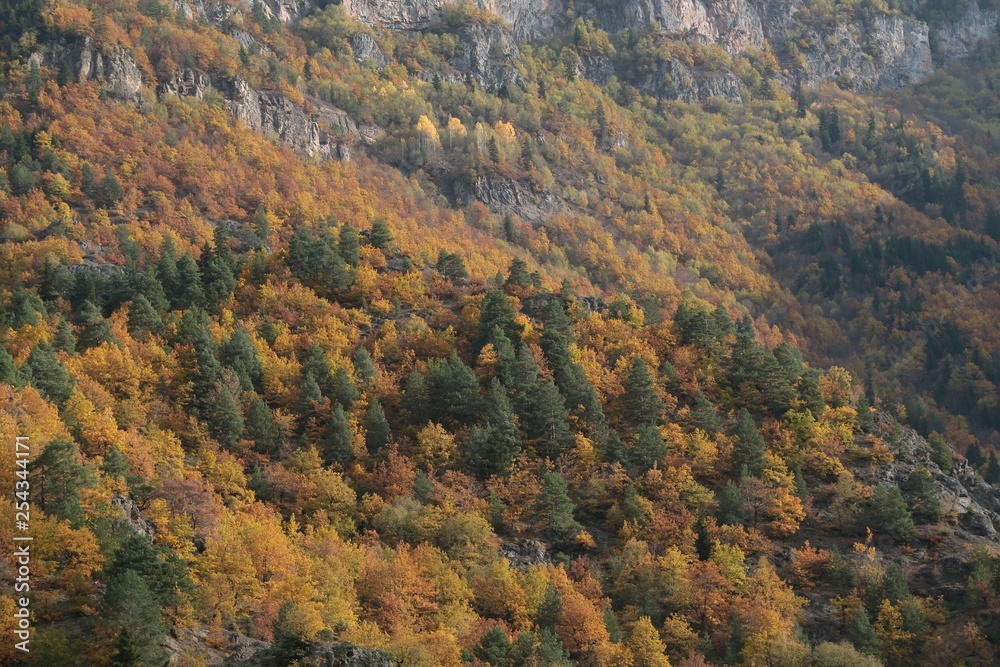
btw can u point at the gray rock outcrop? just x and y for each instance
(324, 655)
(956, 41)
(506, 196)
(113, 66)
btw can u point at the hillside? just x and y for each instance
(511, 333)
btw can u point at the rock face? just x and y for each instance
(956, 41)
(489, 54)
(367, 51)
(528, 19)
(506, 196)
(675, 80)
(326, 133)
(117, 69)
(733, 24)
(324, 655)
(891, 52)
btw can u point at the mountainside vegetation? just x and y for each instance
(549, 368)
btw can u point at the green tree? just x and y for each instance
(336, 443)
(60, 477)
(942, 454)
(540, 408)
(921, 492)
(350, 245)
(866, 418)
(240, 355)
(555, 510)
(143, 318)
(493, 448)
(496, 311)
(217, 279)
(222, 414)
(861, 633)
(188, 292)
(648, 448)
(363, 365)
(518, 274)
(452, 267)
(262, 428)
(64, 340)
(640, 404)
(380, 235)
(749, 447)
(731, 509)
(8, 369)
(704, 415)
(377, 432)
(342, 388)
(493, 647)
(569, 376)
(129, 602)
(47, 374)
(94, 327)
(887, 512)
(110, 190)
(452, 393)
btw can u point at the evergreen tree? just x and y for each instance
(509, 232)
(342, 388)
(505, 355)
(614, 448)
(240, 355)
(318, 262)
(380, 235)
(143, 319)
(8, 369)
(350, 245)
(861, 633)
(110, 190)
(555, 510)
(377, 432)
(222, 414)
(640, 404)
(921, 493)
(749, 446)
(217, 279)
(540, 408)
(704, 416)
(415, 403)
(261, 226)
(866, 418)
(648, 448)
(992, 472)
(941, 453)
(518, 275)
(809, 392)
(336, 444)
(188, 291)
(888, 513)
(452, 393)
(47, 374)
(493, 448)
(569, 376)
(261, 427)
(497, 311)
(133, 606)
(60, 477)
(452, 267)
(493, 647)
(94, 328)
(115, 464)
(731, 508)
(363, 365)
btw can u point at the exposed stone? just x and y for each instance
(506, 196)
(367, 51)
(956, 41)
(677, 80)
(524, 553)
(733, 24)
(323, 655)
(595, 67)
(187, 83)
(117, 70)
(132, 516)
(489, 54)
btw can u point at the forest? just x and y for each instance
(699, 396)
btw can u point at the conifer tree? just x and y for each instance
(648, 448)
(888, 513)
(569, 376)
(350, 245)
(240, 355)
(380, 235)
(452, 393)
(640, 403)
(47, 374)
(704, 416)
(861, 633)
(261, 427)
(363, 365)
(540, 408)
(555, 510)
(497, 311)
(377, 432)
(492, 448)
(94, 328)
(217, 278)
(749, 446)
(143, 319)
(8, 369)
(188, 291)
(866, 418)
(518, 275)
(61, 476)
(222, 414)
(731, 508)
(336, 444)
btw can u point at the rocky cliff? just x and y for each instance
(86, 61)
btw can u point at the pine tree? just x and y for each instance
(866, 418)
(217, 279)
(493, 448)
(188, 291)
(94, 328)
(505, 354)
(222, 414)
(509, 232)
(47, 374)
(648, 448)
(493, 647)
(923, 499)
(350, 245)
(8, 369)
(336, 444)
(809, 392)
(569, 376)
(363, 365)
(704, 416)
(518, 275)
(60, 477)
(115, 464)
(240, 355)
(377, 432)
(749, 446)
(143, 319)
(888, 513)
(497, 311)
(640, 404)
(342, 388)
(731, 508)
(380, 235)
(452, 393)
(261, 427)
(941, 453)
(540, 408)
(129, 601)
(555, 510)
(861, 633)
